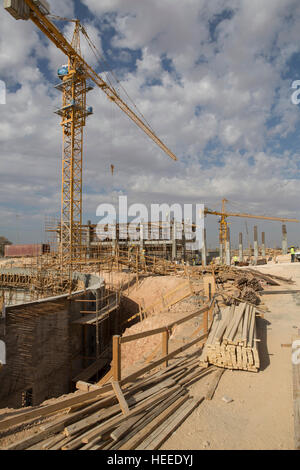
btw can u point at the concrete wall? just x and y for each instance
(44, 348)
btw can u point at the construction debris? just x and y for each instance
(232, 341)
(246, 284)
(157, 406)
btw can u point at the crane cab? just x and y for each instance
(63, 71)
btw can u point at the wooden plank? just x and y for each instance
(31, 440)
(296, 390)
(196, 375)
(138, 437)
(144, 334)
(148, 442)
(173, 423)
(165, 345)
(60, 406)
(107, 427)
(214, 384)
(153, 413)
(116, 365)
(60, 444)
(106, 378)
(99, 415)
(189, 317)
(91, 318)
(120, 397)
(287, 291)
(142, 371)
(45, 444)
(123, 429)
(205, 322)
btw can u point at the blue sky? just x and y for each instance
(213, 78)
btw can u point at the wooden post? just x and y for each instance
(211, 313)
(165, 344)
(209, 285)
(116, 358)
(205, 322)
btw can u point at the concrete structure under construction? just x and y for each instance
(50, 343)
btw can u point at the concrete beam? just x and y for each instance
(228, 251)
(255, 245)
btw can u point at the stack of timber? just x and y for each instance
(142, 416)
(246, 284)
(232, 341)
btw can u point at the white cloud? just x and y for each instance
(215, 101)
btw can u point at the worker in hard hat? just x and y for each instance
(235, 260)
(292, 251)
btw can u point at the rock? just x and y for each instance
(227, 399)
(206, 444)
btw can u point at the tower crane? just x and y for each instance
(223, 231)
(74, 111)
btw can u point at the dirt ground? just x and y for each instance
(261, 413)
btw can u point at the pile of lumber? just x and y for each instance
(152, 409)
(247, 284)
(232, 341)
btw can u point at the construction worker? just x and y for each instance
(292, 251)
(235, 260)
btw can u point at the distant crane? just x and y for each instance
(224, 224)
(73, 112)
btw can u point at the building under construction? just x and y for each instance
(65, 308)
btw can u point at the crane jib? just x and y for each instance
(54, 34)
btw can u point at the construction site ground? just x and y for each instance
(260, 413)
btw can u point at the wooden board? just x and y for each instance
(120, 397)
(296, 389)
(173, 423)
(138, 438)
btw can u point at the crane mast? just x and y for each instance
(73, 113)
(223, 229)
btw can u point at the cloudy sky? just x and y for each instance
(212, 77)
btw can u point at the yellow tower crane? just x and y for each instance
(74, 112)
(223, 231)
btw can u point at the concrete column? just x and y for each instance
(174, 245)
(241, 247)
(263, 245)
(228, 253)
(221, 254)
(204, 251)
(183, 245)
(113, 241)
(284, 241)
(255, 245)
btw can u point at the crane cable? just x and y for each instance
(100, 58)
